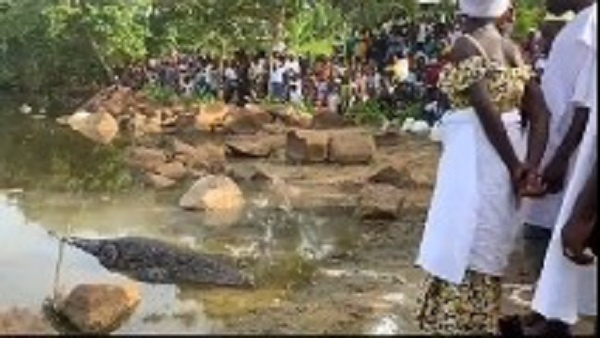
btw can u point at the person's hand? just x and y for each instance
(574, 237)
(533, 185)
(555, 175)
(518, 174)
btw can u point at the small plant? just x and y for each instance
(370, 112)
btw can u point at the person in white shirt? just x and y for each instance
(277, 80)
(565, 290)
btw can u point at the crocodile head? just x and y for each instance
(106, 252)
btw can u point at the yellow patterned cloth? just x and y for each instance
(471, 308)
(506, 85)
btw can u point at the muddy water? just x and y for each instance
(279, 248)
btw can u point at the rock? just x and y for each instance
(99, 127)
(247, 121)
(387, 139)
(380, 201)
(213, 193)
(274, 128)
(328, 120)
(307, 146)
(180, 147)
(206, 156)
(146, 158)
(249, 173)
(393, 175)
(251, 146)
(158, 181)
(351, 148)
(212, 116)
(172, 170)
(99, 308)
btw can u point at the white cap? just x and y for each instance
(484, 8)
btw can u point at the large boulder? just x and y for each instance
(397, 176)
(99, 308)
(307, 146)
(251, 146)
(248, 120)
(351, 148)
(99, 127)
(380, 201)
(328, 120)
(148, 159)
(212, 116)
(213, 193)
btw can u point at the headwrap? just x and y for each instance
(484, 8)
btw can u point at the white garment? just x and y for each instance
(277, 75)
(293, 66)
(565, 289)
(563, 83)
(473, 220)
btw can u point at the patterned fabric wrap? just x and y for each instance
(506, 85)
(471, 308)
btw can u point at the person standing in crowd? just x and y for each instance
(482, 164)
(569, 83)
(540, 214)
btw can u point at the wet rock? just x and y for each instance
(212, 116)
(351, 148)
(99, 308)
(307, 146)
(99, 127)
(158, 181)
(260, 146)
(328, 120)
(146, 158)
(397, 176)
(213, 193)
(387, 139)
(172, 170)
(380, 201)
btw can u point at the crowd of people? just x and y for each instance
(519, 157)
(396, 65)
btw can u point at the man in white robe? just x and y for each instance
(565, 289)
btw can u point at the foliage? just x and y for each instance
(370, 112)
(529, 15)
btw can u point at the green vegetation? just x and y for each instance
(77, 45)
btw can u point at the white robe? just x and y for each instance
(572, 54)
(473, 220)
(566, 290)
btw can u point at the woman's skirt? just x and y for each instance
(471, 308)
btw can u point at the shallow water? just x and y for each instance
(30, 253)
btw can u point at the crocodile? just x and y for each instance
(156, 262)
